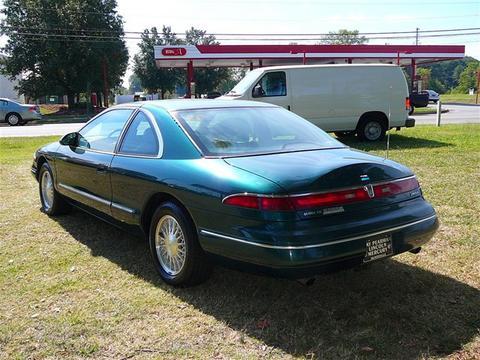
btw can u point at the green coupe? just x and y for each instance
(246, 182)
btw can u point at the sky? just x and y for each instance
(305, 16)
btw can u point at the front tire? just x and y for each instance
(13, 119)
(175, 249)
(52, 202)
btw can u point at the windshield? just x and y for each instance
(252, 130)
(244, 84)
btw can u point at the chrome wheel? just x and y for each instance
(170, 245)
(47, 190)
(373, 130)
(13, 119)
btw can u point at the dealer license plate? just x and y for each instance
(378, 248)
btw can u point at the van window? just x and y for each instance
(271, 84)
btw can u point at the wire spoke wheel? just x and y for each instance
(47, 190)
(170, 245)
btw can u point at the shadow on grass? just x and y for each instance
(396, 142)
(397, 310)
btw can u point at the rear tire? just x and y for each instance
(371, 129)
(176, 252)
(52, 201)
(13, 119)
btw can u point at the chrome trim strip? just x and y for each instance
(209, 233)
(319, 192)
(123, 208)
(85, 194)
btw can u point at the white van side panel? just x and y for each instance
(334, 98)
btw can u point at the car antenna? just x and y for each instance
(388, 125)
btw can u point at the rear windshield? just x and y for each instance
(253, 130)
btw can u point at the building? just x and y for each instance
(7, 88)
(251, 56)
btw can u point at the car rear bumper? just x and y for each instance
(308, 260)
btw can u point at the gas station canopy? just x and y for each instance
(270, 55)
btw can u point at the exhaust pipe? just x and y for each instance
(416, 251)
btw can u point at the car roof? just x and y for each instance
(192, 104)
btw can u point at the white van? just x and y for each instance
(346, 99)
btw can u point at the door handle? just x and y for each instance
(288, 107)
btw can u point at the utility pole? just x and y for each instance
(416, 37)
(105, 82)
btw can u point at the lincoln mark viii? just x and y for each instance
(244, 182)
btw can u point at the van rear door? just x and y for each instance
(273, 88)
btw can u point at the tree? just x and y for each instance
(134, 84)
(344, 37)
(468, 78)
(206, 79)
(152, 78)
(61, 46)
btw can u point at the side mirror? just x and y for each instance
(70, 139)
(257, 91)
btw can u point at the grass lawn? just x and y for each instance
(74, 287)
(458, 98)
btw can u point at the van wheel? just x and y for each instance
(371, 130)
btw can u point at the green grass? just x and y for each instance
(74, 287)
(458, 98)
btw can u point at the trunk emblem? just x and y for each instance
(364, 177)
(369, 189)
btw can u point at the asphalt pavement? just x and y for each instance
(457, 114)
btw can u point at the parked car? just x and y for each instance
(245, 181)
(432, 96)
(14, 113)
(346, 99)
(417, 99)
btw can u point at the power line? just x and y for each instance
(119, 32)
(113, 38)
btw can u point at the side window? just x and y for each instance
(103, 132)
(271, 84)
(140, 138)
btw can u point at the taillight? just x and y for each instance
(407, 103)
(334, 198)
(32, 109)
(259, 202)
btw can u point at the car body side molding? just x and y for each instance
(278, 247)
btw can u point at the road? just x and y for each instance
(39, 130)
(458, 114)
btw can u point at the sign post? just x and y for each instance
(439, 112)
